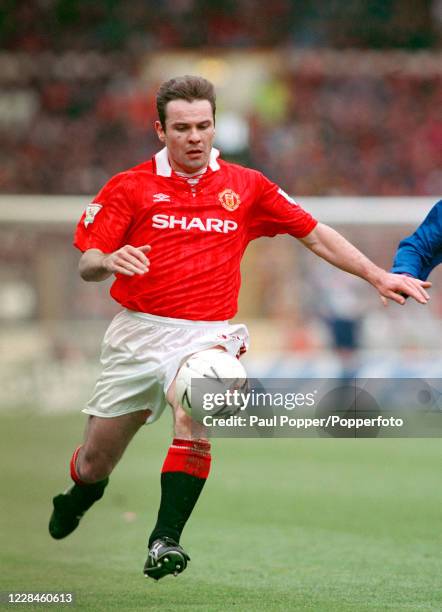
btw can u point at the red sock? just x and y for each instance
(73, 467)
(188, 456)
(183, 477)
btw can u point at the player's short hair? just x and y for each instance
(184, 88)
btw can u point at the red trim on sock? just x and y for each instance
(188, 456)
(200, 444)
(74, 474)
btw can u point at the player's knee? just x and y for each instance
(183, 422)
(185, 427)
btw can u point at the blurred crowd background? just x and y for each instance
(326, 98)
(78, 86)
(146, 25)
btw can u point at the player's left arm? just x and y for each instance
(334, 248)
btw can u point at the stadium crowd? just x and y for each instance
(146, 25)
(68, 123)
(76, 106)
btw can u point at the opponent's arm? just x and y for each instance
(419, 253)
(334, 248)
(96, 266)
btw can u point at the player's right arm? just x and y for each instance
(101, 233)
(96, 266)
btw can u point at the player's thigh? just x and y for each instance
(171, 392)
(107, 438)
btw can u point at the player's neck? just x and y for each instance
(193, 174)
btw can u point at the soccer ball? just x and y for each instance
(204, 374)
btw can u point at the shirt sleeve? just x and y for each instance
(419, 253)
(275, 212)
(107, 218)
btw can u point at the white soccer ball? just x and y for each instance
(206, 374)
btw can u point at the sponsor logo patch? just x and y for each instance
(91, 212)
(222, 226)
(229, 199)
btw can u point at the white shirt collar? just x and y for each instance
(164, 168)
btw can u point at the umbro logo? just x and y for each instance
(161, 197)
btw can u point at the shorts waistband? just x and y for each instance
(171, 322)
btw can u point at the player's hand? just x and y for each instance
(398, 287)
(128, 260)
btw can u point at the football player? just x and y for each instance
(173, 231)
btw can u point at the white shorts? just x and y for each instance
(141, 355)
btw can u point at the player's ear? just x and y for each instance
(160, 132)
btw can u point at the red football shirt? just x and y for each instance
(198, 231)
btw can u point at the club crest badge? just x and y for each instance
(229, 199)
(91, 212)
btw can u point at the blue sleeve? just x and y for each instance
(418, 254)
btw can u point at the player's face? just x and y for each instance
(189, 134)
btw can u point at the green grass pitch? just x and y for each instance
(317, 524)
